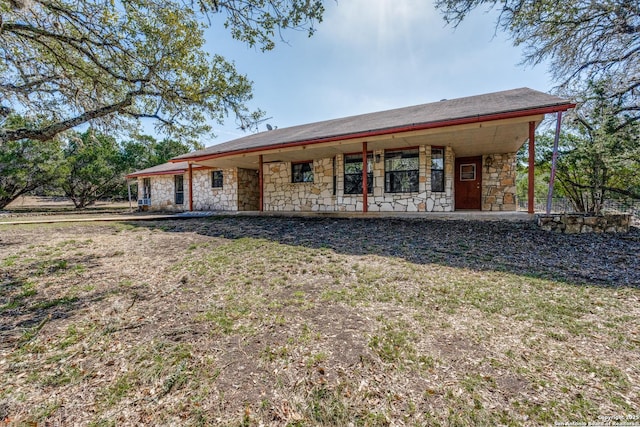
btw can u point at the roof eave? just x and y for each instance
(142, 174)
(386, 131)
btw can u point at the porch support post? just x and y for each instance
(190, 186)
(261, 183)
(554, 159)
(532, 160)
(365, 184)
(129, 191)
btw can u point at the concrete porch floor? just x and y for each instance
(458, 215)
(131, 216)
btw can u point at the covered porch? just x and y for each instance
(445, 156)
(477, 161)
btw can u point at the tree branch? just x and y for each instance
(48, 132)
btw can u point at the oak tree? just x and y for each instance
(598, 159)
(94, 167)
(145, 151)
(26, 165)
(584, 42)
(113, 62)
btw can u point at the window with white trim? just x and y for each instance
(468, 172)
(146, 188)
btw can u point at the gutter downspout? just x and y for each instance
(532, 161)
(554, 160)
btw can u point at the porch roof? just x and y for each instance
(415, 121)
(164, 169)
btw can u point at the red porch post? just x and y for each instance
(260, 183)
(532, 159)
(365, 184)
(190, 186)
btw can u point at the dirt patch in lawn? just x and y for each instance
(292, 321)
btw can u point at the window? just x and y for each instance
(353, 173)
(437, 169)
(216, 179)
(146, 188)
(179, 187)
(468, 172)
(302, 172)
(335, 177)
(401, 171)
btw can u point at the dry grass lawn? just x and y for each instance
(294, 322)
(48, 204)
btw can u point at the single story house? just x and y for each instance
(457, 154)
(183, 186)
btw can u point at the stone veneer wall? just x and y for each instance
(206, 198)
(584, 223)
(241, 191)
(163, 193)
(499, 182)
(422, 201)
(248, 190)
(280, 194)
(441, 201)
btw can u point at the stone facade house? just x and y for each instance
(445, 156)
(178, 187)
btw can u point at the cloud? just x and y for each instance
(379, 24)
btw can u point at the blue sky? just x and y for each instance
(374, 55)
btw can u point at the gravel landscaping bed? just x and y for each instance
(517, 247)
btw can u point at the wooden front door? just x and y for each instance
(468, 183)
